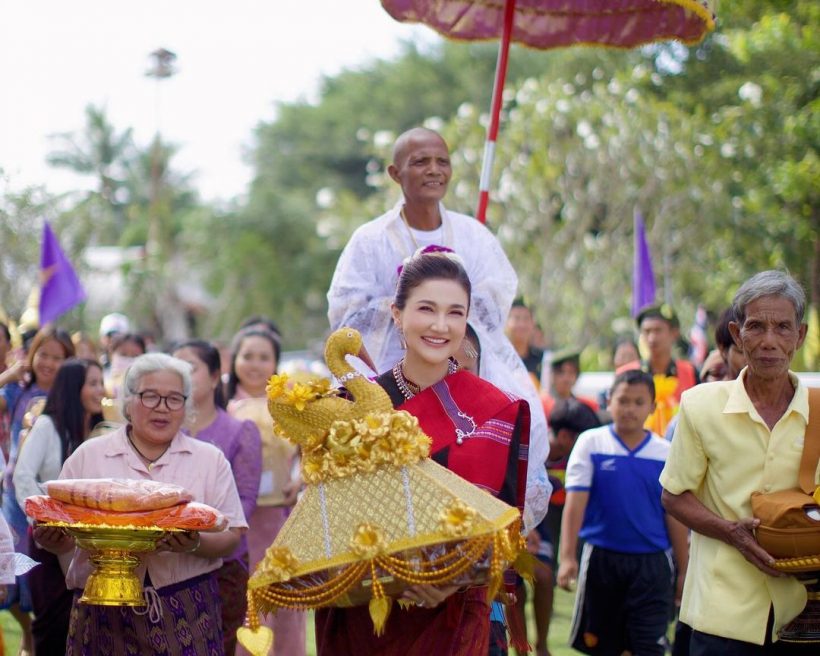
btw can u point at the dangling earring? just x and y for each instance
(469, 349)
(402, 340)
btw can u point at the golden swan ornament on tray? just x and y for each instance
(304, 412)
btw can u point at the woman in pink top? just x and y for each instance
(184, 608)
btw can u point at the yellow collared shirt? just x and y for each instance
(722, 452)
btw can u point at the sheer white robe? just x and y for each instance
(363, 288)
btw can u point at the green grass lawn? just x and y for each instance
(557, 641)
(559, 628)
(11, 632)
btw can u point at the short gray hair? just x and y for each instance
(152, 363)
(769, 283)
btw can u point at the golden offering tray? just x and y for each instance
(805, 628)
(113, 551)
(798, 564)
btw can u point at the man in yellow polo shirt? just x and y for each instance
(735, 438)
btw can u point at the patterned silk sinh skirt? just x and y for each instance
(183, 619)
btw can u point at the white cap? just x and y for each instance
(114, 323)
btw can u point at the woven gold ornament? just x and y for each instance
(377, 515)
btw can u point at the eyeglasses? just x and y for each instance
(151, 400)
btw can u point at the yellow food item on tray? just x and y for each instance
(118, 494)
(191, 516)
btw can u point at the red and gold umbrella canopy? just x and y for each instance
(546, 24)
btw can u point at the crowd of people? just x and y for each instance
(177, 418)
(638, 499)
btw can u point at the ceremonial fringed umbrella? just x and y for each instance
(546, 24)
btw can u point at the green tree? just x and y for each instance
(317, 171)
(140, 200)
(161, 202)
(575, 160)
(755, 85)
(716, 145)
(100, 151)
(21, 212)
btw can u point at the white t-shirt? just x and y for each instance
(39, 460)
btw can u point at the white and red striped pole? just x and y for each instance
(495, 111)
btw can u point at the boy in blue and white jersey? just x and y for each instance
(626, 576)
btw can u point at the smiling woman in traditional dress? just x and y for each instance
(184, 609)
(478, 432)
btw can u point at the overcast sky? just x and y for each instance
(235, 60)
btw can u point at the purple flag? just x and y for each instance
(60, 289)
(643, 280)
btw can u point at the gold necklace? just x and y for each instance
(416, 247)
(409, 229)
(406, 386)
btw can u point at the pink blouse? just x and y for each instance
(197, 466)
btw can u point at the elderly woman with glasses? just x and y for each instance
(183, 613)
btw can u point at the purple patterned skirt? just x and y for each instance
(188, 624)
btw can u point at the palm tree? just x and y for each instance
(101, 151)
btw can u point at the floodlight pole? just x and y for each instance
(162, 67)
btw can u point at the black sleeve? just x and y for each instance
(509, 489)
(388, 384)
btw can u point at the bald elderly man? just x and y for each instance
(365, 280)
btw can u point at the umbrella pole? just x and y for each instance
(495, 111)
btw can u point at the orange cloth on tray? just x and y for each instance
(187, 516)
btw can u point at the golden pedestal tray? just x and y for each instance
(113, 551)
(805, 628)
